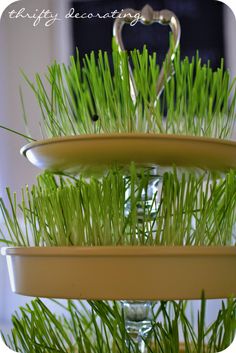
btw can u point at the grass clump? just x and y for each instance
(90, 95)
(99, 327)
(190, 209)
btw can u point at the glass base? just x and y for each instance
(138, 321)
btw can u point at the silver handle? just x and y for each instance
(147, 17)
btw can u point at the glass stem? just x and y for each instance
(138, 314)
(138, 321)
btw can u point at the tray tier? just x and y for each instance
(95, 153)
(135, 273)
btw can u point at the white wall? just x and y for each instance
(32, 49)
(229, 38)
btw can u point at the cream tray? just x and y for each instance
(91, 153)
(137, 273)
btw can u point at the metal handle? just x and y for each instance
(148, 16)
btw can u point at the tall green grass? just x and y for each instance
(90, 95)
(190, 209)
(100, 328)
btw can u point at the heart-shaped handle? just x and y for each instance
(148, 16)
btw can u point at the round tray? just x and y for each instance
(138, 273)
(91, 153)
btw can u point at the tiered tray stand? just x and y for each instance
(137, 273)
(127, 273)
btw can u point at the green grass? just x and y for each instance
(99, 327)
(92, 96)
(191, 209)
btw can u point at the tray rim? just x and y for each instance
(133, 136)
(119, 251)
